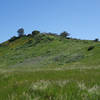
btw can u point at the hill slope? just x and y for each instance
(49, 50)
(49, 67)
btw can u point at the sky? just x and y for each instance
(81, 18)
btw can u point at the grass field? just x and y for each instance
(61, 69)
(50, 84)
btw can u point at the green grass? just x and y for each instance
(50, 69)
(60, 84)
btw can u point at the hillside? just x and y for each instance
(50, 49)
(49, 59)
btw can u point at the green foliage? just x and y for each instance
(52, 34)
(91, 48)
(13, 39)
(29, 35)
(36, 32)
(96, 40)
(43, 38)
(64, 34)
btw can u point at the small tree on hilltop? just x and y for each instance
(20, 32)
(64, 34)
(36, 32)
(96, 40)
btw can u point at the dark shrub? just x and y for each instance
(52, 34)
(13, 39)
(64, 34)
(68, 38)
(96, 40)
(91, 48)
(29, 35)
(0, 45)
(34, 33)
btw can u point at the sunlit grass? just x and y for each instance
(73, 84)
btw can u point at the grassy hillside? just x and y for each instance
(50, 49)
(49, 67)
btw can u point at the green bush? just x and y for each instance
(29, 35)
(43, 38)
(64, 34)
(96, 40)
(13, 39)
(36, 32)
(91, 48)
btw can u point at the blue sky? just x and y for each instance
(81, 18)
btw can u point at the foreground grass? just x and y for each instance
(62, 84)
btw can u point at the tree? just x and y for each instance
(96, 40)
(36, 32)
(20, 32)
(64, 34)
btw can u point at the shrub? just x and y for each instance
(36, 32)
(68, 38)
(47, 37)
(52, 34)
(13, 39)
(96, 40)
(43, 37)
(64, 34)
(50, 38)
(0, 45)
(91, 48)
(29, 35)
